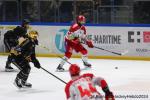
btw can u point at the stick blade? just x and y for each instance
(125, 52)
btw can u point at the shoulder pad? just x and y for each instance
(88, 75)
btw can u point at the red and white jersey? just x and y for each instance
(76, 31)
(83, 88)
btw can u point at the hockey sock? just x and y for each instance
(23, 74)
(63, 61)
(84, 58)
(9, 60)
(104, 86)
(24, 79)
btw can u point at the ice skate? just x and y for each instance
(60, 68)
(17, 83)
(87, 65)
(8, 68)
(26, 85)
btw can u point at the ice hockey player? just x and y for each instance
(11, 40)
(82, 87)
(76, 33)
(23, 54)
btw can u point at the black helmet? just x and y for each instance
(25, 21)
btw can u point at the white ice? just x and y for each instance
(132, 78)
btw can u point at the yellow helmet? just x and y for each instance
(33, 34)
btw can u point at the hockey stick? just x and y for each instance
(106, 50)
(53, 75)
(42, 46)
(112, 51)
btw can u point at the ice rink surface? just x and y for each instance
(131, 81)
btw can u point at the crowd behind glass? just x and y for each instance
(95, 11)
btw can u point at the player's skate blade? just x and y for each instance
(9, 69)
(26, 85)
(87, 65)
(60, 69)
(17, 83)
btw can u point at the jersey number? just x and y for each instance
(87, 92)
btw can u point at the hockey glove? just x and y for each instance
(28, 58)
(36, 42)
(75, 42)
(15, 51)
(36, 63)
(109, 96)
(90, 44)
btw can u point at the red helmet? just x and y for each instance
(74, 69)
(81, 19)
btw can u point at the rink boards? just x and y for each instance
(132, 40)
